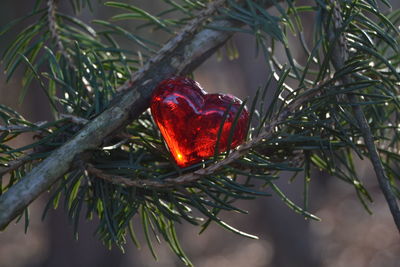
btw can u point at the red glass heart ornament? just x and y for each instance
(189, 119)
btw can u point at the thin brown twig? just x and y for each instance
(19, 162)
(39, 124)
(22, 128)
(340, 55)
(55, 35)
(188, 178)
(54, 31)
(120, 180)
(74, 119)
(15, 164)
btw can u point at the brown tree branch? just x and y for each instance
(340, 55)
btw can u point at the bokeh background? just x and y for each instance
(347, 235)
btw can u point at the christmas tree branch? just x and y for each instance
(74, 119)
(53, 28)
(15, 164)
(39, 124)
(267, 133)
(15, 129)
(22, 128)
(340, 55)
(179, 56)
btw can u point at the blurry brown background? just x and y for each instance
(347, 235)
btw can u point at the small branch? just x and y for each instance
(55, 35)
(53, 27)
(340, 55)
(21, 128)
(74, 119)
(15, 164)
(188, 178)
(39, 124)
(120, 180)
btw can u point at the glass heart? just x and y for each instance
(189, 119)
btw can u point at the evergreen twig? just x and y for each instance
(188, 178)
(21, 127)
(74, 119)
(15, 164)
(340, 55)
(53, 27)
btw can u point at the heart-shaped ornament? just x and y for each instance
(189, 119)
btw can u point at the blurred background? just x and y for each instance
(347, 235)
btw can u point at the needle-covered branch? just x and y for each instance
(15, 164)
(191, 177)
(22, 128)
(179, 56)
(54, 31)
(340, 55)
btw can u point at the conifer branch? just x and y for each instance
(15, 164)
(22, 128)
(23, 159)
(267, 133)
(53, 28)
(181, 55)
(39, 124)
(74, 119)
(340, 55)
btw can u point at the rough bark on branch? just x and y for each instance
(179, 56)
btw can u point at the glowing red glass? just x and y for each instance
(189, 119)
